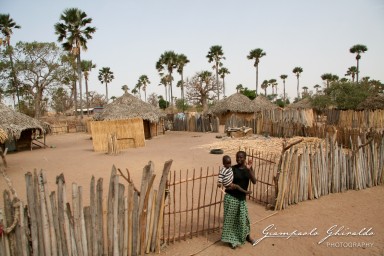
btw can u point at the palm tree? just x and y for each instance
(106, 76)
(113, 98)
(223, 72)
(358, 48)
(256, 54)
(264, 85)
(297, 71)
(283, 77)
(239, 88)
(86, 67)
(6, 26)
(272, 83)
(125, 88)
(167, 61)
(316, 86)
(352, 71)
(182, 60)
(75, 31)
(215, 55)
(328, 77)
(138, 87)
(163, 81)
(144, 81)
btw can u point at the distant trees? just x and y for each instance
(75, 33)
(223, 72)
(143, 82)
(215, 55)
(352, 71)
(256, 54)
(328, 77)
(86, 67)
(7, 24)
(358, 49)
(297, 71)
(283, 77)
(201, 88)
(167, 62)
(105, 77)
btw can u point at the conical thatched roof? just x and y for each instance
(262, 103)
(236, 103)
(13, 123)
(302, 104)
(127, 107)
(372, 103)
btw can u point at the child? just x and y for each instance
(226, 176)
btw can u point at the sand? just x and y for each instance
(358, 215)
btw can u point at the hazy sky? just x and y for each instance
(131, 36)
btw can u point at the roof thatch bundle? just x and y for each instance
(262, 103)
(127, 107)
(236, 103)
(301, 104)
(372, 103)
(13, 123)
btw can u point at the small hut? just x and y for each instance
(261, 103)
(237, 105)
(130, 119)
(19, 131)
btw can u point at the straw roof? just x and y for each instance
(262, 103)
(236, 103)
(127, 107)
(13, 123)
(371, 103)
(302, 104)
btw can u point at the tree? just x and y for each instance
(163, 81)
(328, 77)
(358, 49)
(297, 71)
(305, 91)
(75, 32)
(215, 55)
(168, 62)
(86, 67)
(125, 88)
(106, 76)
(61, 100)
(144, 81)
(223, 72)
(153, 99)
(316, 86)
(113, 98)
(283, 77)
(264, 86)
(239, 88)
(256, 54)
(251, 94)
(352, 71)
(272, 83)
(96, 99)
(7, 24)
(68, 61)
(182, 60)
(39, 68)
(202, 88)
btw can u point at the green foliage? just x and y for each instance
(181, 105)
(251, 94)
(345, 95)
(162, 103)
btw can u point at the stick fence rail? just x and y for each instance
(185, 204)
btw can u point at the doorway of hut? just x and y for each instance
(147, 129)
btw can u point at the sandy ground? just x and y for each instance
(355, 218)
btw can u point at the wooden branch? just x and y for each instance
(129, 180)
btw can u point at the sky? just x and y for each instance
(131, 36)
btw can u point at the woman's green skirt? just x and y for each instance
(236, 225)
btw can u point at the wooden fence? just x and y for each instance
(321, 169)
(198, 123)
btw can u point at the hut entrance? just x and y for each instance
(147, 129)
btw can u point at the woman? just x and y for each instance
(236, 227)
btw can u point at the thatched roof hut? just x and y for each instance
(13, 123)
(372, 103)
(236, 103)
(127, 107)
(301, 104)
(262, 103)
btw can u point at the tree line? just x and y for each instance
(38, 75)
